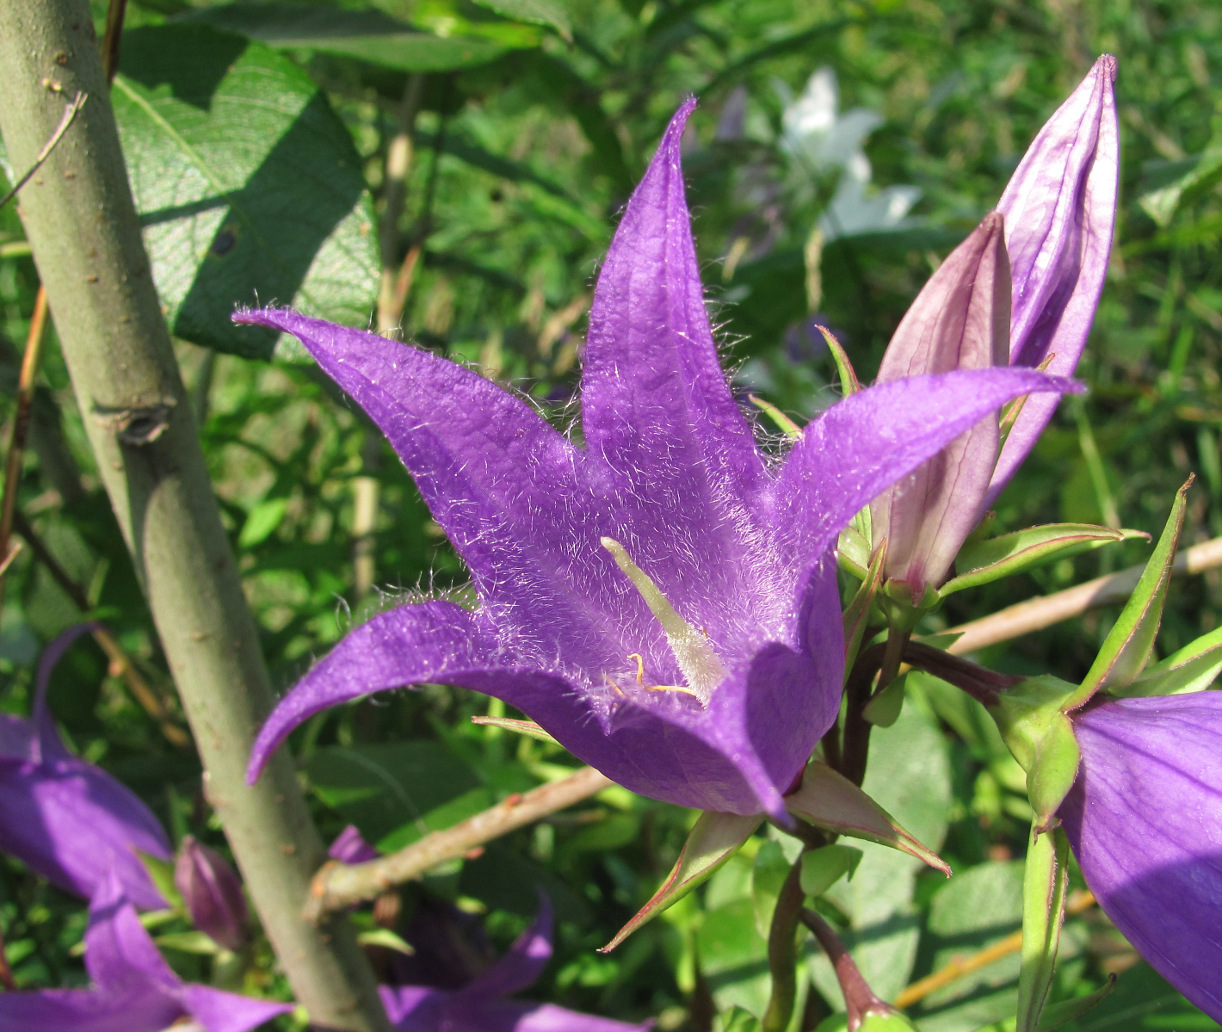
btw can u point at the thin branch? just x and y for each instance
(70, 113)
(121, 664)
(21, 420)
(339, 885)
(1045, 610)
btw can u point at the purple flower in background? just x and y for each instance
(1144, 819)
(212, 892)
(662, 597)
(479, 1006)
(1060, 210)
(66, 819)
(1023, 302)
(134, 988)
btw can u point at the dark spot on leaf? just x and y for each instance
(224, 242)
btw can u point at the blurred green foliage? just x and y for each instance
(258, 137)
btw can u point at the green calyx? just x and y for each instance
(1039, 734)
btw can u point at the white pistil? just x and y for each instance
(697, 661)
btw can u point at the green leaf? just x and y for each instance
(247, 184)
(1057, 1014)
(264, 518)
(714, 838)
(387, 939)
(396, 792)
(1192, 669)
(737, 1020)
(366, 35)
(1129, 643)
(830, 800)
(857, 612)
(1203, 174)
(1045, 882)
(822, 868)
(1008, 554)
(541, 12)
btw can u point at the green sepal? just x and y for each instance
(737, 1020)
(849, 384)
(885, 707)
(786, 425)
(1057, 1014)
(161, 873)
(1038, 733)
(1128, 645)
(823, 867)
(893, 1021)
(768, 873)
(983, 562)
(857, 613)
(853, 550)
(194, 942)
(1045, 883)
(1192, 669)
(522, 727)
(714, 838)
(831, 801)
(387, 939)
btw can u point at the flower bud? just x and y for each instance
(1060, 210)
(212, 893)
(960, 320)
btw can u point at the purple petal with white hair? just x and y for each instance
(661, 598)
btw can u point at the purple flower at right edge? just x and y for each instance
(1144, 819)
(1020, 291)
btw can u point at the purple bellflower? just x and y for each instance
(134, 988)
(1021, 290)
(66, 819)
(662, 597)
(1144, 819)
(212, 893)
(479, 1006)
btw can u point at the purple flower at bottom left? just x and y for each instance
(135, 990)
(66, 819)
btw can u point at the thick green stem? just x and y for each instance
(85, 236)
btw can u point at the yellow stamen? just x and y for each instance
(699, 664)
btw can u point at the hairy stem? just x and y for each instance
(85, 236)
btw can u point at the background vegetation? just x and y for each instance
(258, 138)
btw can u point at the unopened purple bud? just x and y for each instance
(212, 893)
(1144, 819)
(1060, 209)
(960, 320)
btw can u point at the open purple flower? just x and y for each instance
(66, 819)
(479, 1006)
(134, 988)
(1144, 819)
(662, 597)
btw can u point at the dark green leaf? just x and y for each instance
(248, 186)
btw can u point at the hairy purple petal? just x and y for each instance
(1144, 819)
(960, 320)
(1060, 210)
(670, 477)
(66, 819)
(859, 447)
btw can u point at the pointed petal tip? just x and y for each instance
(1108, 65)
